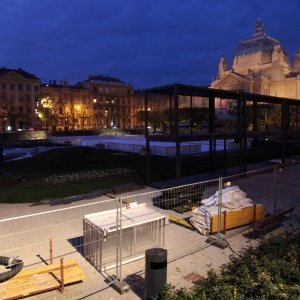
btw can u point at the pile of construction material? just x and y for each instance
(231, 199)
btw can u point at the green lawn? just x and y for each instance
(68, 160)
(65, 161)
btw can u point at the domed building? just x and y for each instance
(261, 65)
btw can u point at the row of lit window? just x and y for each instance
(115, 110)
(111, 90)
(20, 110)
(21, 87)
(112, 101)
(27, 98)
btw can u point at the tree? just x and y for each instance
(46, 111)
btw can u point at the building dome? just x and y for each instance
(259, 53)
(262, 66)
(259, 42)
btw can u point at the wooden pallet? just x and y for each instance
(40, 279)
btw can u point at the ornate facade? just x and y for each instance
(96, 103)
(19, 93)
(261, 65)
(112, 101)
(64, 107)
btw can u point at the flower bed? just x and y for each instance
(87, 175)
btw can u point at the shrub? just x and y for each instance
(270, 271)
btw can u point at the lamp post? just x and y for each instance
(95, 114)
(78, 115)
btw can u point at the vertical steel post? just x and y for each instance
(51, 251)
(147, 141)
(62, 275)
(274, 190)
(191, 115)
(244, 132)
(170, 115)
(177, 139)
(254, 131)
(211, 129)
(284, 130)
(220, 207)
(121, 238)
(225, 157)
(118, 237)
(239, 129)
(119, 284)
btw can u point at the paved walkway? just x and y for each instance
(189, 255)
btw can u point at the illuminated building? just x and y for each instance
(65, 107)
(112, 101)
(19, 92)
(96, 103)
(261, 65)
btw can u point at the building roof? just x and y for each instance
(61, 86)
(259, 41)
(104, 78)
(19, 71)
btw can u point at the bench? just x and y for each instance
(268, 223)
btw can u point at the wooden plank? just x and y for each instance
(270, 222)
(45, 269)
(22, 287)
(71, 274)
(236, 218)
(40, 279)
(180, 222)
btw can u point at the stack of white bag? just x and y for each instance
(232, 198)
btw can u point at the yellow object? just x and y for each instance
(238, 217)
(180, 222)
(40, 279)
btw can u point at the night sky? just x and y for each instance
(142, 42)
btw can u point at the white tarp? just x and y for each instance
(232, 198)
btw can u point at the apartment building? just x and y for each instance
(65, 107)
(112, 101)
(19, 94)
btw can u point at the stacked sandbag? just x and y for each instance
(232, 198)
(201, 218)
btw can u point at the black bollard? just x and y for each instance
(156, 271)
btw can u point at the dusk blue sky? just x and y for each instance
(142, 42)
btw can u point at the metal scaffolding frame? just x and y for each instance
(241, 134)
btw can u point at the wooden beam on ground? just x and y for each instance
(40, 279)
(181, 222)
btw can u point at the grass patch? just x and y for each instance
(67, 160)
